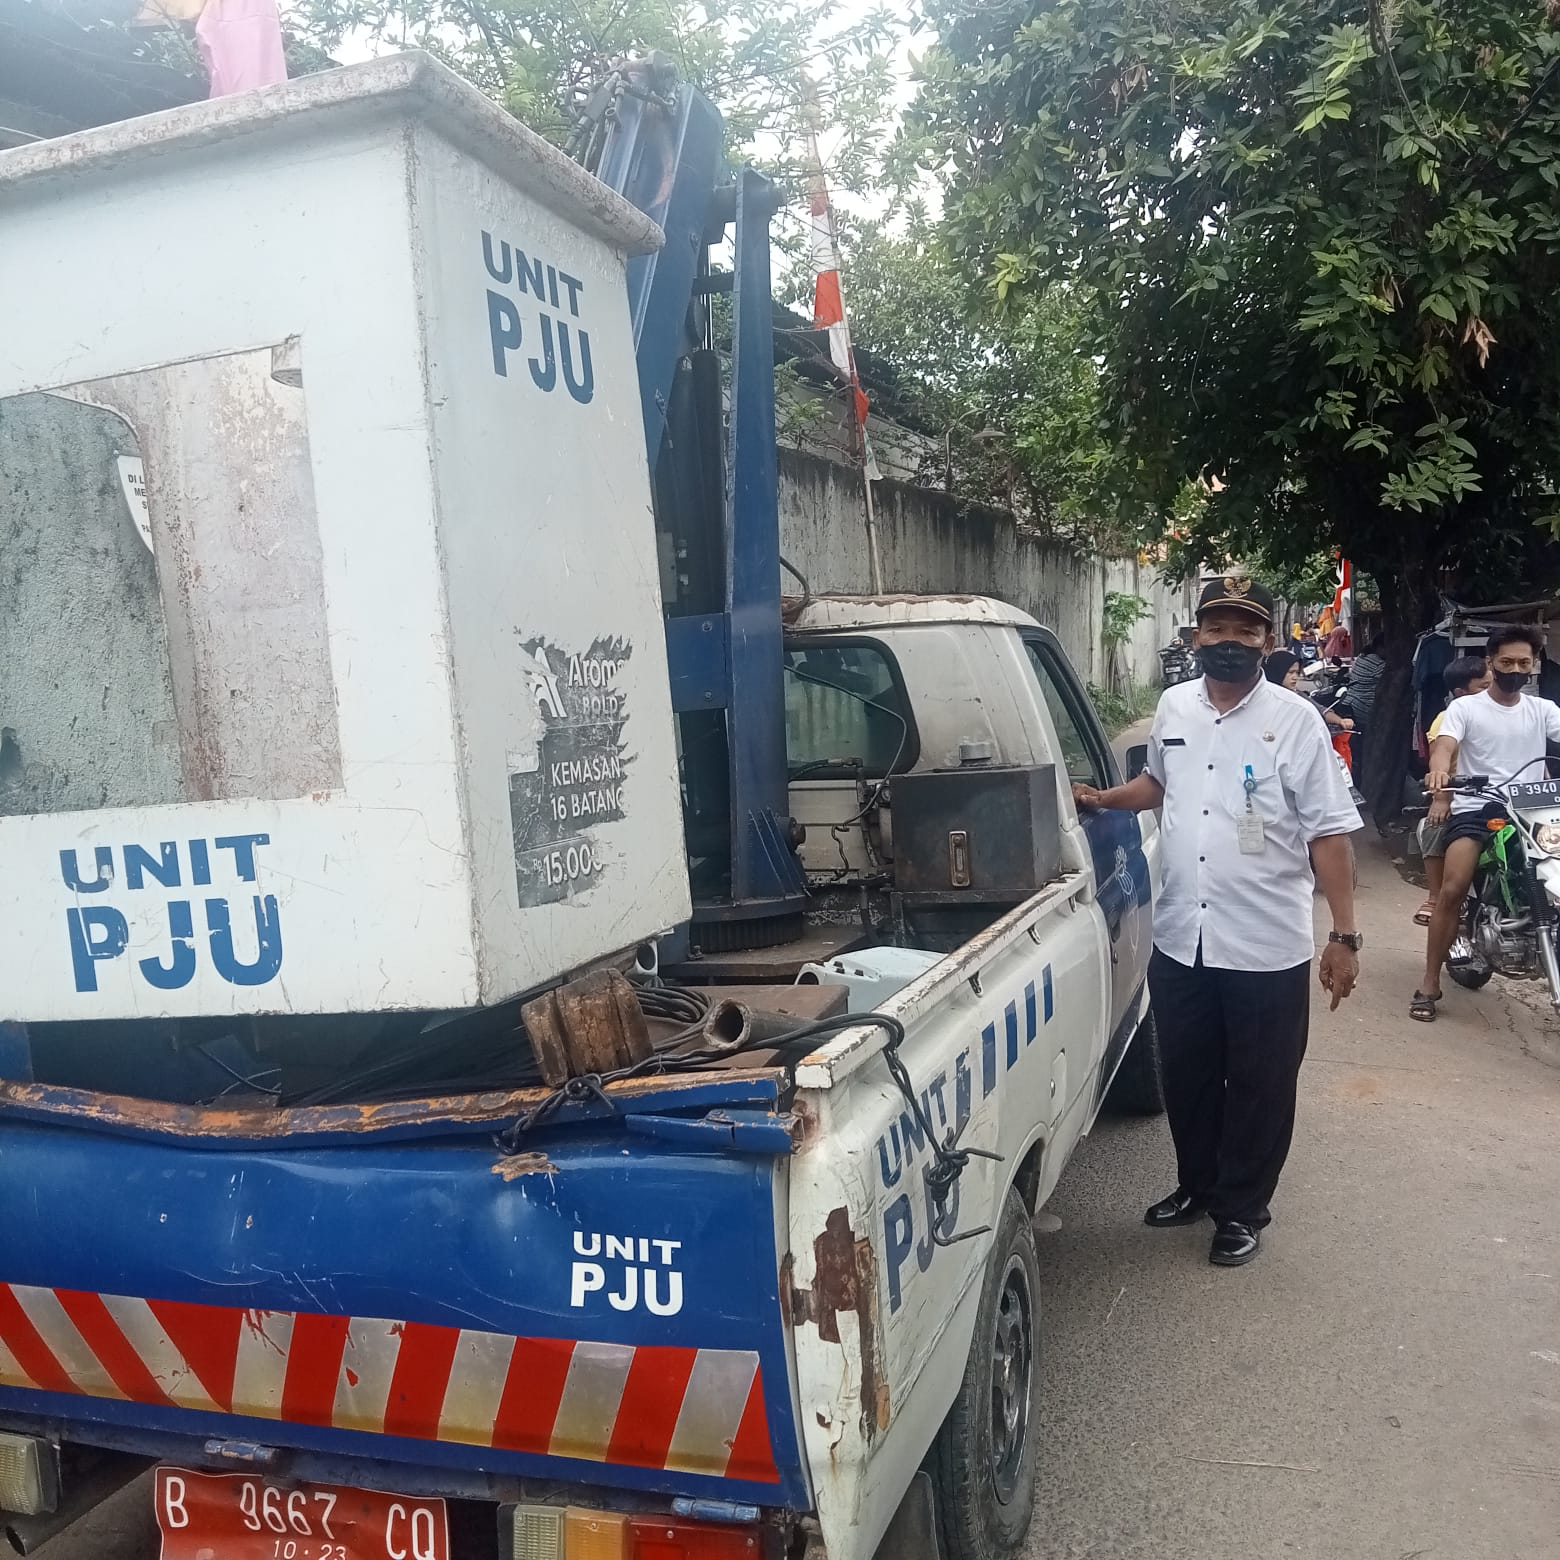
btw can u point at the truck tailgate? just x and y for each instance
(603, 1306)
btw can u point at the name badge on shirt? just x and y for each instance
(1248, 826)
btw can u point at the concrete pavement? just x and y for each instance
(1383, 1383)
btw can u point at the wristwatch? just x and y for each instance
(1353, 941)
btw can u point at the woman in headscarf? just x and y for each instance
(1283, 668)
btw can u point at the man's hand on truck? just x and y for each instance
(1141, 794)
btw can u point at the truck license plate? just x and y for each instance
(237, 1516)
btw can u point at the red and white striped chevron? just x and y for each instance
(682, 1410)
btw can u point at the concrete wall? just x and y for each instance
(932, 543)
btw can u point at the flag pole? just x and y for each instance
(829, 311)
(873, 559)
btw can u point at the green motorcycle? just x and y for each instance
(1512, 913)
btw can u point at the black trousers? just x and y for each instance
(1231, 1043)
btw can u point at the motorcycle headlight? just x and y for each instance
(1547, 836)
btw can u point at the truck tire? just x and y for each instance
(1138, 1089)
(982, 1464)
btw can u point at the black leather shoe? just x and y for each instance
(1234, 1245)
(1178, 1208)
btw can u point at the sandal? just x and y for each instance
(1423, 1007)
(1424, 912)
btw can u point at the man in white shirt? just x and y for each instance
(1502, 733)
(1254, 801)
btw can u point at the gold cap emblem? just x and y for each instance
(1237, 584)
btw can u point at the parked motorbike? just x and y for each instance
(1511, 918)
(1329, 691)
(1325, 679)
(1177, 663)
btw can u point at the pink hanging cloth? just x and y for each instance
(241, 45)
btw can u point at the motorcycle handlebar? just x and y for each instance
(1468, 783)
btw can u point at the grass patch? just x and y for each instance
(1117, 711)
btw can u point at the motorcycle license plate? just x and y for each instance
(1535, 793)
(239, 1516)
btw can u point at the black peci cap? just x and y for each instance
(1238, 590)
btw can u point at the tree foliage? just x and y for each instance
(1309, 583)
(1322, 242)
(1013, 401)
(540, 59)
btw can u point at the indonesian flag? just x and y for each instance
(829, 298)
(240, 41)
(1345, 581)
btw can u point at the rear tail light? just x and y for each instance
(572, 1533)
(538, 1533)
(595, 1535)
(29, 1475)
(677, 1540)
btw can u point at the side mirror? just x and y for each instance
(1137, 760)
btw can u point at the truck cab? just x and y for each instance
(1018, 1033)
(956, 684)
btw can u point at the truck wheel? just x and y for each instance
(1138, 1089)
(982, 1464)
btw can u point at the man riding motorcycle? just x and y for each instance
(1498, 732)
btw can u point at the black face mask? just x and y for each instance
(1230, 661)
(1511, 682)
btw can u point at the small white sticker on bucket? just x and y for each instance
(132, 477)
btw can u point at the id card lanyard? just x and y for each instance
(1248, 827)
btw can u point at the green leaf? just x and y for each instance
(1368, 437)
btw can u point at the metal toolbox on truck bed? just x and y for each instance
(334, 670)
(976, 833)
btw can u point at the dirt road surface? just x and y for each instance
(1383, 1383)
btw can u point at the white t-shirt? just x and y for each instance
(1499, 741)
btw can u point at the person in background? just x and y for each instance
(1359, 698)
(1296, 634)
(1256, 812)
(1326, 621)
(1468, 674)
(1363, 677)
(1283, 668)
(1338, 646)
(1502, 733)
(1549, 678)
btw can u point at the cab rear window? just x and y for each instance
(846, 711)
